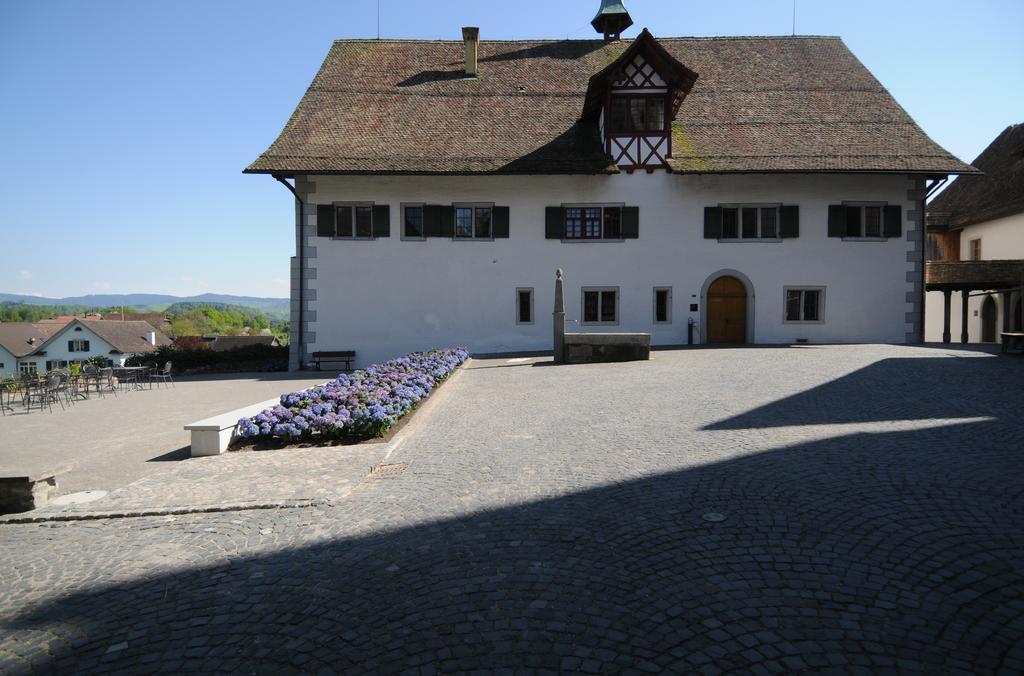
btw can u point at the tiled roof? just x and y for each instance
(999, 193)
(126, 337)
(761, 104)
(21, 338)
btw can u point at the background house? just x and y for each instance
(41, 347)
(979, 221)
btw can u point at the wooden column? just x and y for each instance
(947, 299)
(964, 295)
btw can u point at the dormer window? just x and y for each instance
(629, 114)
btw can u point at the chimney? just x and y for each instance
(471, 36)
(151, 338)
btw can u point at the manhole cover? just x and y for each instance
(388, 471)
(78, 498)
(714, 517)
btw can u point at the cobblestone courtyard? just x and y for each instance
(556, 518)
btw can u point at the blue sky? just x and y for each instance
(125, 125)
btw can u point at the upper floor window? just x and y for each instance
(353, 220)
(412, 221)
(864, 220)
(78, 346)
(472, 221)
(631, 114)
(750, 222)
(975, 252)
(593, 222)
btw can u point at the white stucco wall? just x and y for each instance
(8, 363)
(1001, 239)
(386, 297)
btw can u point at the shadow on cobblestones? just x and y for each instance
(901, 550)
(869, 395)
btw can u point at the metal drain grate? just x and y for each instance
(383, 471)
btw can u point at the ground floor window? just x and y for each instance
(28, 367)
(600, 305)
(56, 364)
(524, 306)
(804, 305)
(663, 305)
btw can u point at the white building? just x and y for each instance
(764, 190)
(40, 347)
(981, 218)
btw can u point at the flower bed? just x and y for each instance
(356, 406)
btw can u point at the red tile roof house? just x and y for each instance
(762, 189)
(37, 348)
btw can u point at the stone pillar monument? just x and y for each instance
(558, 318)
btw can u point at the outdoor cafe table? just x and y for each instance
(130, 375)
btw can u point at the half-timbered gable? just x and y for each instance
(635, 100)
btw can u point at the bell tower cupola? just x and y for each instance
(611, 20)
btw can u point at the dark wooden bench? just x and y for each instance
(345, 356)
(1012, 342)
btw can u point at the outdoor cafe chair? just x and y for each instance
(164, 375)
(106, 383)
(46, 392)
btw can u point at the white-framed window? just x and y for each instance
(750, 221)
(78, 345)
(353, 220)
(593, 221)
(974, 249)
(865, 220)
(600, 305)
(474, 221)
(804, 304)
(28, 367)
(524, 305)
(413, 226)
(662, 305)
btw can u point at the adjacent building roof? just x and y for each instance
(21, 338)
(760, 104)
(999, 193)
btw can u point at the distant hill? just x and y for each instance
(275, 308)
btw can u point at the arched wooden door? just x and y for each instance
(988, 320)
(727, 311)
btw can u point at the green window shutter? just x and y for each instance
(499, 222)
(712, 222)
(789, 216)
(447, 220)
(836, 220)
(893, 224)
(71, 347)
(381, 220)
(432, 220)
(86, 346)
(554, 223)
(325, 220)
(630, 222)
